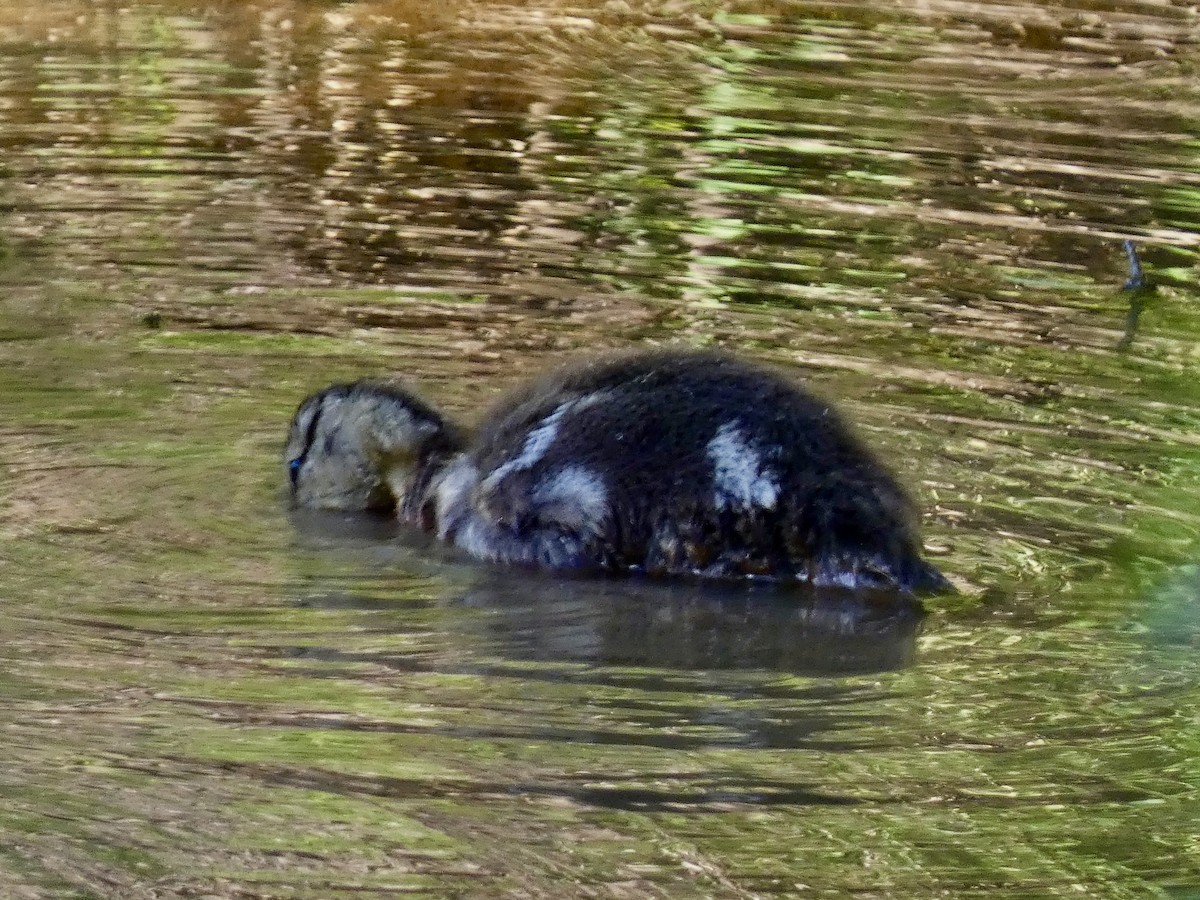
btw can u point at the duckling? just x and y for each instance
(669, 463)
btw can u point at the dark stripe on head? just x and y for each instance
(309, 436)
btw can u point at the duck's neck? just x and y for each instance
(414, 486)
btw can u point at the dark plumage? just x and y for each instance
(668, 463)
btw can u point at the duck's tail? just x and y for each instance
(924, 578)
(908, 573)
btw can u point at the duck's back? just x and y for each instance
(682, 463)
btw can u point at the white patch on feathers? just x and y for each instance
(453, 496)
(741, 479)
(579, 498)
(540, 439)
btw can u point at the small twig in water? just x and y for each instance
(1137, 279)
(1139, 288)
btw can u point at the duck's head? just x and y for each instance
(363, 446)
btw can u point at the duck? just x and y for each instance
(664, 462)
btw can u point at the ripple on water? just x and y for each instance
(209, 209)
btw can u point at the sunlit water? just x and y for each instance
(208, 210)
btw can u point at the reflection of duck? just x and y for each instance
(687, 626)
(672, 463)
(653, 625)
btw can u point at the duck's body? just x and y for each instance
(668, 463)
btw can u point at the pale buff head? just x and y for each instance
(362, 446)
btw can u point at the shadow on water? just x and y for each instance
(692, 794)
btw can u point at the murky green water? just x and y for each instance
(207, 210)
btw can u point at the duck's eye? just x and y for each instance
(294, 470)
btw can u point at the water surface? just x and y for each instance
(209, 209)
